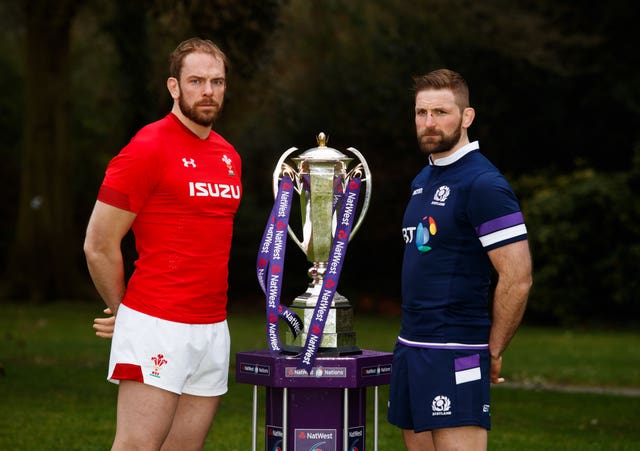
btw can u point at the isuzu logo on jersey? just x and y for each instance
(440, 197)
(205, 189)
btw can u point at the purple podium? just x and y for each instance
(325, 409)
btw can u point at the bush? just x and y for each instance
(584, 231)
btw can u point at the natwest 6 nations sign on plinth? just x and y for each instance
(329, 190)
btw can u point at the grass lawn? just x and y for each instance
(54, 395)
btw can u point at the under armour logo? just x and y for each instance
(191, 162)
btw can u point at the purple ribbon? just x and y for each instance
(332, 274)
(270, 266)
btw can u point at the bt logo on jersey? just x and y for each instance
(205, 189)
(421, 234)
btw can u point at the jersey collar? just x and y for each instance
(461, 152)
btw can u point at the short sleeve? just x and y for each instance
(494, 211)
(130, 176)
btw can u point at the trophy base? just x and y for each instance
(331, 352)
(338, 337)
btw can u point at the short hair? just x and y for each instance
(444, 79)
(193, 45)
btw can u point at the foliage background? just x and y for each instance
(555, 85)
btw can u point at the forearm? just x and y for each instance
(509, 303)
(107, 272)
(102, 247)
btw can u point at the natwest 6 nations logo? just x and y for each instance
(421, 234)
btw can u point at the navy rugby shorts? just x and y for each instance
(439, 388)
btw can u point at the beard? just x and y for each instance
(446, 142)
(204, 118)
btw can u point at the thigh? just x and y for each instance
(472, 438)
(418, 441)
(191, 423)
(144, 416)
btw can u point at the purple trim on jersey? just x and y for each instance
(465, 363)
(501, 223)
(451, 346)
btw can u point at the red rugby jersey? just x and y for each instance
(185, 192)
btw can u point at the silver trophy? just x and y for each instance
(316, 173)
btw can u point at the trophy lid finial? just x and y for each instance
(322, 139)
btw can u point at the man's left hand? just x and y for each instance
(104, 326)
(496, 366)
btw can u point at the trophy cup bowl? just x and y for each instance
(320, 175)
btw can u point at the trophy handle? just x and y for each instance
(367, 178)
(284, 168)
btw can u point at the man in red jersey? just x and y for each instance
(177, 186)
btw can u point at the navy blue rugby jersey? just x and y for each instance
(461, 207)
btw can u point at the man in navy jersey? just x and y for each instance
(462, 223)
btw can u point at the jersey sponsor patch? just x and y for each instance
(206, 189)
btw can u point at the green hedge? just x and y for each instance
(584, 231)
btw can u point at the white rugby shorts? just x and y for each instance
(178, 357)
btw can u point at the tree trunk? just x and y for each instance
(44, 258)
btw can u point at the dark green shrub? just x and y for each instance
(584, 230)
